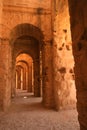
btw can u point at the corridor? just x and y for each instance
(27, 113)
(43, 54)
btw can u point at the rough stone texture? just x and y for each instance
(47, 74)
(5, 74)
(65, 92)
(78, 17)
(35, 29)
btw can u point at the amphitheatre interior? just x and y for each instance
(43, 52)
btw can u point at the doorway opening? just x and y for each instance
(26, 60)
(24, 73)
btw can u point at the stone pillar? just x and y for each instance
(47, 77)
(24, 79)
(5, 66)
(36, 78)
(56, 76)
(41, 72)
(27, 78)
(2, 80)
(78, 17)
(13, 73)
(18, 78)
(30, 78)
(1, 6)
(5, 74)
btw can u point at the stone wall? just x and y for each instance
(29, 3)
(65, 93)
(5, 74)
(78, 18)
(5, 66)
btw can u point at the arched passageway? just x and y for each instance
(49, 75)
(53, 72)
(25, 67)
(50, 60)
(26, 78)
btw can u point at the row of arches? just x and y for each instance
(20, 41)
(24, 72)
(27, 41)
(26, 58)
(32, 63)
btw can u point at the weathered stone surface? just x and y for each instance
(5, 75)
(65, 93)
(42, 30)
(78, 18)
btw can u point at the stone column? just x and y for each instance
(78, 17)
(18, 78)
(36, 78)
(30, 78)
(5, 74)
(24, 79)
(13, 73)
(56, 76)
(27, 78)
(47, 75)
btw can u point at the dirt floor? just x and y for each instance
(27, 113)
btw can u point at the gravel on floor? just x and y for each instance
(27, 113)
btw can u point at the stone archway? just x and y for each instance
(28, 61)
(26, 38)
(24, 34)
(27, 34)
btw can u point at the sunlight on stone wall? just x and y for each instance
(64, 61)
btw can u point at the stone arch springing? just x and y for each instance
(28, 30)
